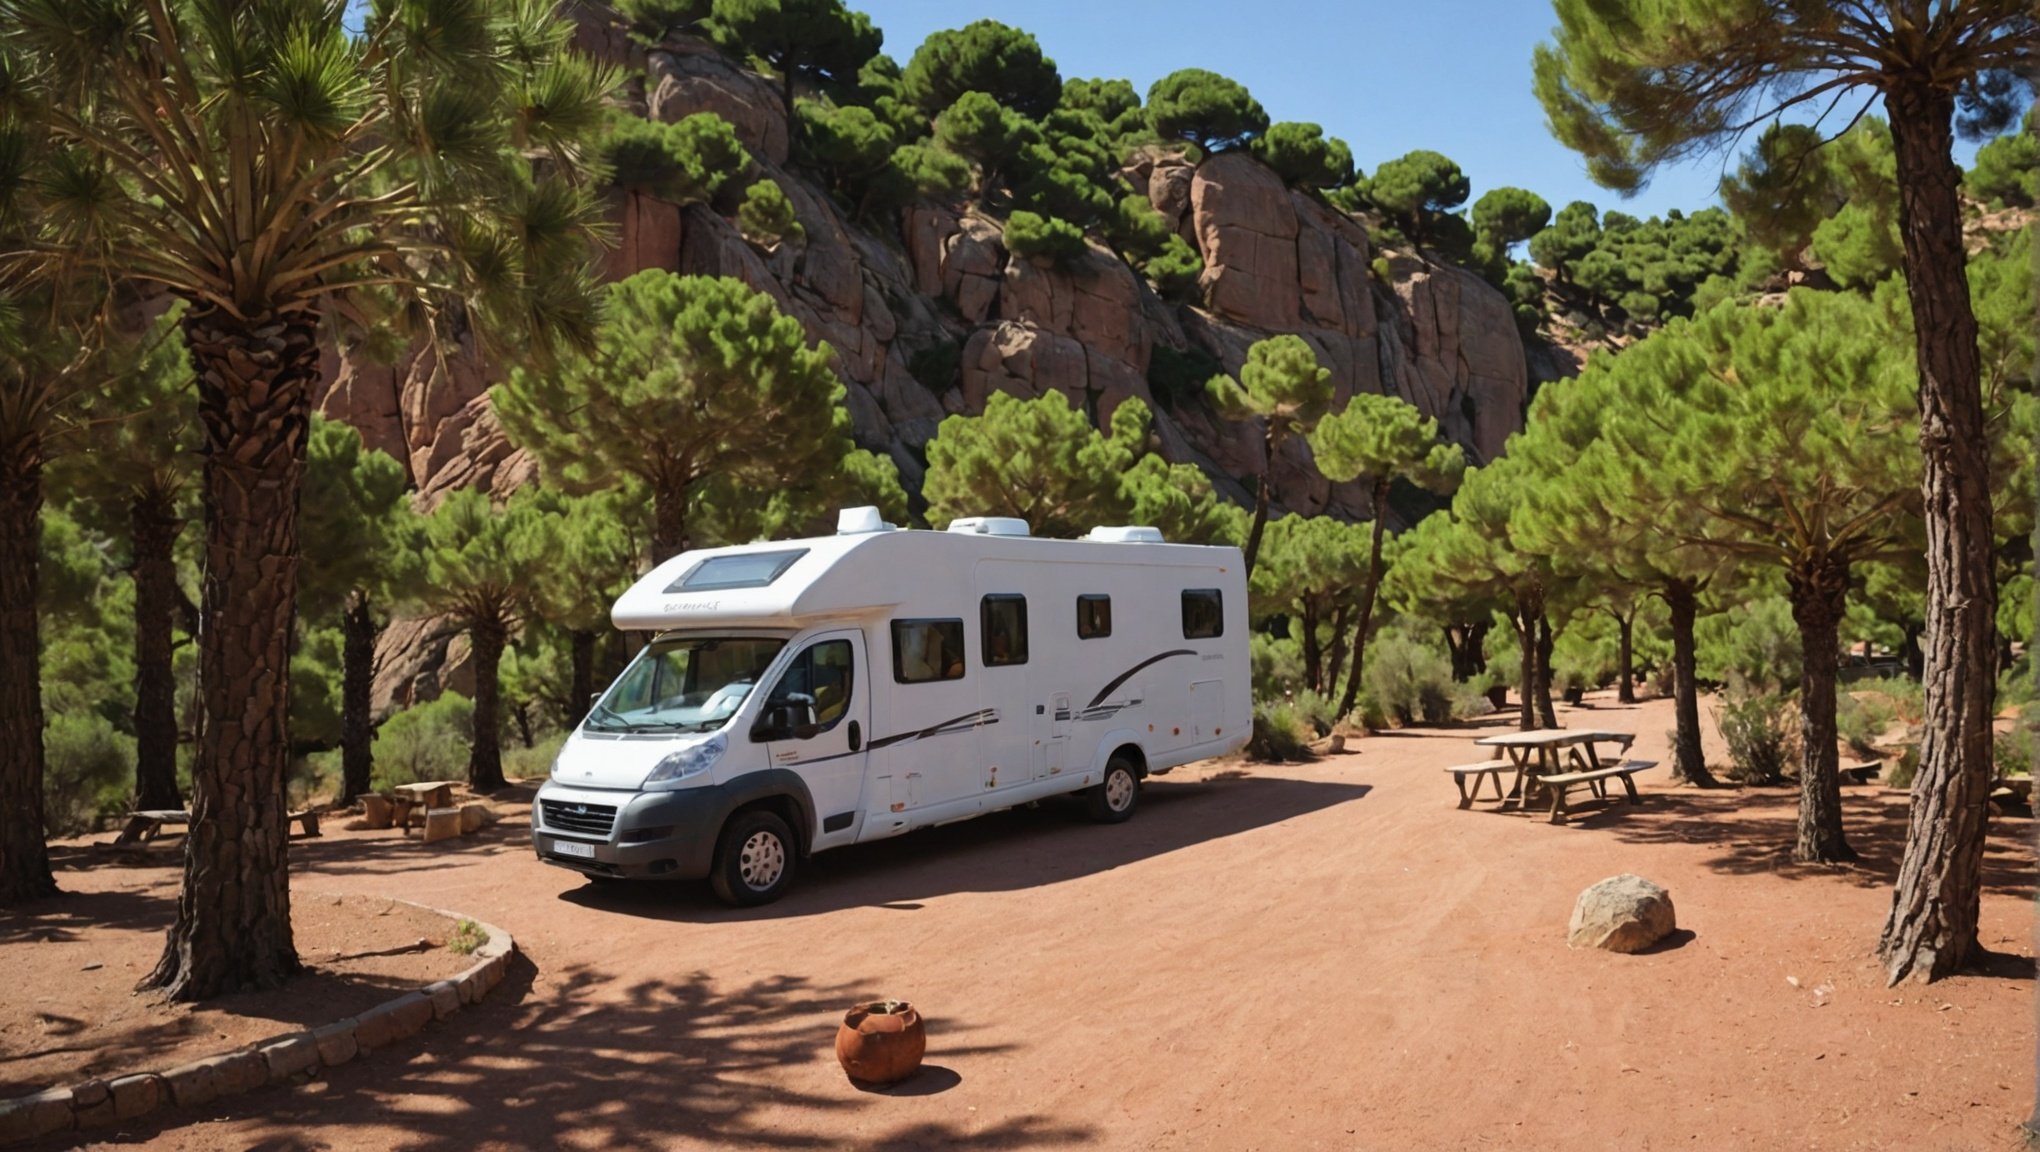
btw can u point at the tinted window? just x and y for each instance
(691, 684)
(925, 650)
(814, 690)
(1094, 617)
(1003, 620)
(1203, 614)
(750, 570)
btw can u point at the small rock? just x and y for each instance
(1625, 913)
(92, 967)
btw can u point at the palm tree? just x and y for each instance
(261, 162)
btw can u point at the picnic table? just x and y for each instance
(1553, 760)
(427, 795)
(144, 826)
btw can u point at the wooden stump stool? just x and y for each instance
(441, 824)
(472, 817)
(377, 811)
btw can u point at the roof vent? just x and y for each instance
(1129, 534)
(858, 521)
(990, 525)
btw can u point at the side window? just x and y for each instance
(1003, 620)
(812, 695)
(926, 650)
(1203, 614)
(1094, 617)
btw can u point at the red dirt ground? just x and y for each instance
(1305, 956)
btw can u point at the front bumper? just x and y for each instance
(662, 835)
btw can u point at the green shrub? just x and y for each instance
(1861, 717)
(1411, 680)
(1755, 726)
(1757, 643)
(467, 936)
(2013, 751)
(1280, 733)
(1316, 711)
(1277, 665)
(1177, 376)
(1900, 774)
(684, 162)
(88, 771)
(1368, 713)
(1175, 271)
(1035, 237)
(1383, 274)
(427, 742)
(767, 216)
(1470, 699)
(535, 762)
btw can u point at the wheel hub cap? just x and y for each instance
(762, 861)
(1119, 790)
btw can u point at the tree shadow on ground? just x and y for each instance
(1005, 851)
(581, 1060)
(59, 918)
(1752, 830)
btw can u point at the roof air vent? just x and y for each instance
(858, 521)
(990, 525)
(1129, 534)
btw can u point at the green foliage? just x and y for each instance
(1411, 680)
(852, 148)
(1566, 241)
(1138, 231)
(1211, 111)
(1379, 439)
(88, 771)
(484, 564)
(1859, 247)
(684, 162)
(355, 529)
(985, 56)
(1415, 190)
(767, 215)
(1176, 271)
(819, 41)
(1304, 156)
(1281, 383)
(1177, 375)
(315, 673)
(933, 171)
(1783, 190)
(1281, 733)
(2007, 171)
(1862, 717)
(426, 742)
(652, 21)
(465, 938)
(1503, 217)
(1754, 727)
(979, 128)
(1113, 102)
(692, 377)
(1621, 260)
(1044, 238)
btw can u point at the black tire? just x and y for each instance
(1115, 797)
(754, 859)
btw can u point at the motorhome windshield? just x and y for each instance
(684, 684)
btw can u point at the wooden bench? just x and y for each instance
(1597, 779)
(1861, 772)
(144, 826)
(1484, 769)
(425, 796)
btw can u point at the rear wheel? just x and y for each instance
(754, 859)
(1116, 796)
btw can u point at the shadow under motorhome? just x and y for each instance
(801, 695)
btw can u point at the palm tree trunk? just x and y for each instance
(357, 696)
(1545, 712)
(1367, 596)
(1819, 594)
(254, 398)
(1689, 763)
(1625, 656)
(1931, 931)
(154, 525)
(582, 646)
(485, 760)
(24, 857)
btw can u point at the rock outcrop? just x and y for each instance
(888, 295)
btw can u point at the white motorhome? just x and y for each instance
(801, 695)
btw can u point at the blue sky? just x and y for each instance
(1388, 76)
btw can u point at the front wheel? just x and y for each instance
(754, 860)
(1115, 797)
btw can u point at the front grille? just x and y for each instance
(578, 819)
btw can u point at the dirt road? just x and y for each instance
(1315, 956)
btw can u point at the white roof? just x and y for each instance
(857, 575)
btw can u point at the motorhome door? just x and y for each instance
(816, 722)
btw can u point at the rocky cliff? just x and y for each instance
(1275, 261)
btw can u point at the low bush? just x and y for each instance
(1861, 717)
(1031, 236)
(1317, 711)
(88, 771)
(1411, 681)
(1755, 726)
(1901, 773)
(1280, 733)
(2012, 751)
(427, 742)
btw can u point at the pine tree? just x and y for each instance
(1283, 386)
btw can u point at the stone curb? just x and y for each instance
(279, 1059)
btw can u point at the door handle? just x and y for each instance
(856, 737)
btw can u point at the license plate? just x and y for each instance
(569, 848)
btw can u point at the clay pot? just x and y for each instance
(377, 811)
(881, 1042)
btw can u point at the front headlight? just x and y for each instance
(687, 763)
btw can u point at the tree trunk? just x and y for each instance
(1313, 650)
(153, 525)
(254, 398)
(1819, 592)
(1379, 504)
(669, 523)
(1915, 656)
(1545, 712)
(1464, 642)
(1335, 658)
(582, 645)
(1688, 762)
(1931, 931)
(357, 696)
(1625, 657)
(1260, 516)
(1525, 620)
(24, 856)
(485, 760)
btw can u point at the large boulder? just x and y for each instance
(1623, 913)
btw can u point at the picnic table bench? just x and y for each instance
(144, 826)
(1556, 760)
(425, 795)
(1861, 772)
(1595, 778)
